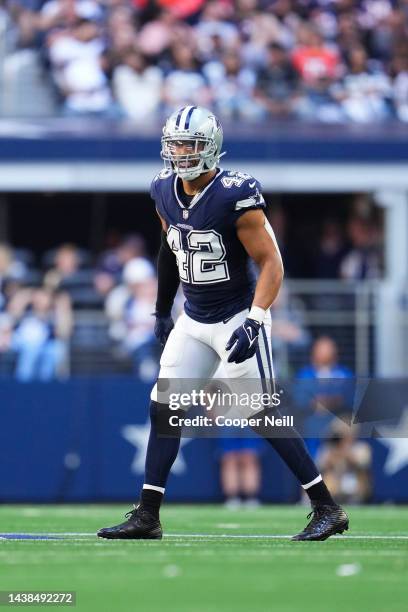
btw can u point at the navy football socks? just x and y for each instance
(294, 453)
(151, 500)
(164, 444)
(161, 453)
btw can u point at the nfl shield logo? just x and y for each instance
(185, 214)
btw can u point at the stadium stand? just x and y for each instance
(331, 61)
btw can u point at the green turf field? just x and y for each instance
(207, 561)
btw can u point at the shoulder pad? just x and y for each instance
(237, 180)
(245, 190)
(163, 174)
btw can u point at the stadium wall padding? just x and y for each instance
(85, 439)
(275, 142)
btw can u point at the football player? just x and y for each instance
(213, 222)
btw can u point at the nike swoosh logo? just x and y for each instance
(248, 332)
(252, 185)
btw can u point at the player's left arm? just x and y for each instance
(167, 285)
(167, 272)
(258, 239)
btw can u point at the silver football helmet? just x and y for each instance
(199, 133)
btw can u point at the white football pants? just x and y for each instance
(196, 350)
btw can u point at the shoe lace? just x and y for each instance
(131, 513)
(316, 514)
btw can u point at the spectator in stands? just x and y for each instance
(112, 262)
(12, 274)
(129, 308)
(245, 9)
(42, 328)
(331, 250)
(318, 67)
(290, 338)
(185, 84)
(65, 14)
(121, 33)
(258, 30)
(232, 87)
(240, 470)
(11, 270)
(400, 85)
(364, 93)
(349, 34)
(345, 463)
(318, 102)
(215, 32)
(66, 267)
(314, 61)
(76, 57)
(6, 333)
(158, 35)
(70, 273)
(239, 452)
(387, 27)
(25, 31)
(155, 36)
(323, 19)
(363, 260)
(324, 364)
(137, 86)
(277, 83)
(322, 390)
(288, 19)
(181, 9)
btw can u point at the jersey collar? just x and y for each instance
(199, 195)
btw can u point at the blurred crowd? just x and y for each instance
(42, 300)
(318, 60)
(38, 308)
(348, 250)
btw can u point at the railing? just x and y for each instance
(352, 314)
(344, 311)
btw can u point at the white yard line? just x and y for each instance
(279, 537)
(72, 535)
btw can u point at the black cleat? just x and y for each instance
(140, 525)
(326, 521)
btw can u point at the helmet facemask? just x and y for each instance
(188, 165)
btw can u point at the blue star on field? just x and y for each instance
(397, 457)
(138, 436)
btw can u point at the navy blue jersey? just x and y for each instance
(214, 269)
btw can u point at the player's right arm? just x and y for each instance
(257, 238)
(167, 285)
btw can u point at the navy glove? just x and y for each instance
(244, 340)
(162, 328)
